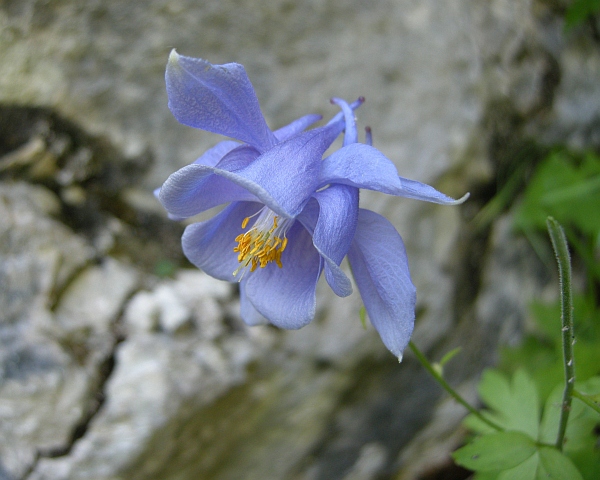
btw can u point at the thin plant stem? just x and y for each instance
(453, 393)
(561, 249)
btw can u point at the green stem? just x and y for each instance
(586, 399)
(561, 249)
(453, 393)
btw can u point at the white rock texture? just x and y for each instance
(111, 368)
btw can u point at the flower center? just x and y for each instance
(263, 243)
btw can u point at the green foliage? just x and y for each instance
(579, 11)
(164, 268)
(525, 394)
(540, 352)
(447, 357)
(524, 450)
(513, 403)
(495, 452)
(581, 440)
(525, 399)
(538, 435)
(567, 187)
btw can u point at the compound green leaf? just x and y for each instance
(514, 405)
(556, 466)
(495, 452)
(524, 471)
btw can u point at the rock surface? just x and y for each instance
(119, 361)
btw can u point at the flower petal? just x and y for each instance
(340, 117)
(250, 315)
(209, 245)
(333, 225)
(422, 191)
(286, 176)
(195, 188)
(286, 296)
(296, 127)
(350, 135)
(217, 98)
(214, 154)
(364, 166)
(243, 175)
(380, 268)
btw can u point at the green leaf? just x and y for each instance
(449, 356)
(514, 405)
(565, 187)
(582, 419)
(524, 471)
(494, 452)
(579, 11)
(540, 352)
(556, 466)
(580, 444)
(591, 387)
(485, 476)
(474, 423)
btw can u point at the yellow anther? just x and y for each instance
(263, 243)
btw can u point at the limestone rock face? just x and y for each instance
(58, 311)
(120, 361)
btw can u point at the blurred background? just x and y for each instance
(118, 360)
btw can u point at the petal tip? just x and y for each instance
(173, 57)
(400, 357)
(462, 199)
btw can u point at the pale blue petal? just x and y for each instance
(250, 315)
(363, 166)
(380, 268)
(171, 217)
(287, 296)
(296, 127)
(339, 118)
(333, 225)
(196, 188)
(285, 177)
(350, 135)
(217, 98)
(214, 154)
(422, 191)
(209, 245)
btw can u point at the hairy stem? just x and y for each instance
(561, 249)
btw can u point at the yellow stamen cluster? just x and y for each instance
(259, 247)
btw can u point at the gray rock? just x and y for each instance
(58, 312)
(109, 372)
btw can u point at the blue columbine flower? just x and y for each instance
(291, 214)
